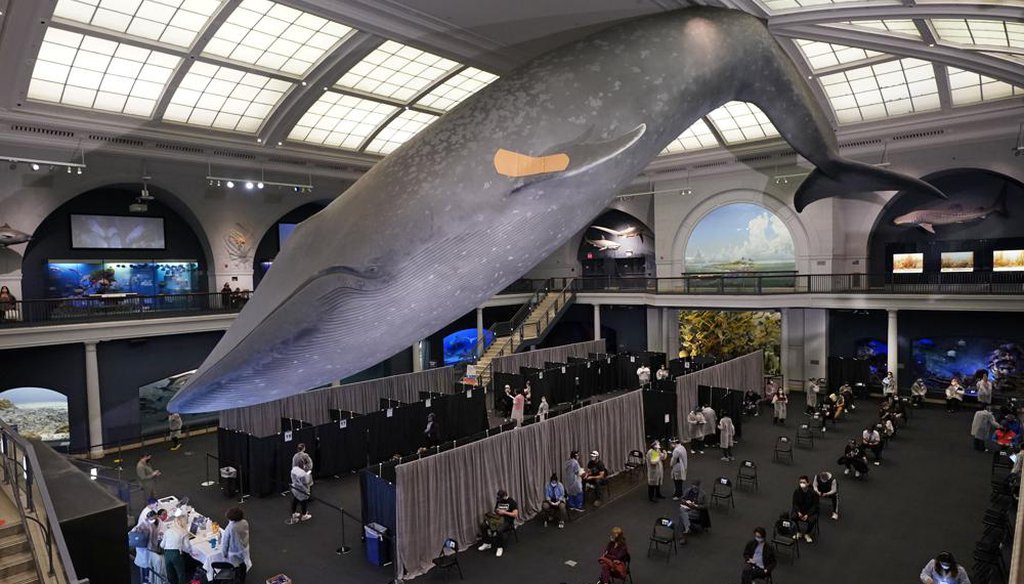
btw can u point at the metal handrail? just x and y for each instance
(116, 307)
(11, 442)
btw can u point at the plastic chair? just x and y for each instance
(804, 436)
(786, 541)
(634, 462)
(783, 449)
(747, 474)
(722, 491)
(448, 558)
(663, 533)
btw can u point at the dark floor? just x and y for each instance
(929, 495)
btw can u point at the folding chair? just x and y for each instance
(448, 558)
(1001, 464)
(722, 491)
(817, 423)
(783, 449)
(804, 436)
(629, 572)
(634, 462)
(223, 572)
(663, 533)
(747, 474)
(786, 541)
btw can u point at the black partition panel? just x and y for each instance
(729, 401)
(660, 414)
(847, 370)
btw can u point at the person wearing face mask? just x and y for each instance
(157, 568)
(710, 426)
(554, 502)
(655, 471)
(175, 542)
(142, 560)
(696, 421)
(542, 409)
(871, 440)
(678, 463)
(805, 509)
(613, 560)
(693, 510)
(573, 474)
(779, 402)
(917, 392)
(726, 437)
(854, 459)
(943, 569)
(758, 558)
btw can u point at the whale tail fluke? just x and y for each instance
(848, 178)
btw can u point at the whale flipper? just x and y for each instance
(565, 161)
(847, 178)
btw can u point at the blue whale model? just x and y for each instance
(436, 228)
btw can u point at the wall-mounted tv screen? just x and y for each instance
(284, 231)
(1008, 260)
(907, 263)
(957, 261)
(116, 232)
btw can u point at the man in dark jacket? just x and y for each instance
(759, 557)
(805, 508)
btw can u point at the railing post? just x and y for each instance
(28, 487)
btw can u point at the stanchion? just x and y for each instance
(344, 549)
(208, 482)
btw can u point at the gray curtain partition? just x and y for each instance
(312, 406)
(741, 373)
(536, 359)
(446, 495)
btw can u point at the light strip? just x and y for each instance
(266, 183)
(18, 160)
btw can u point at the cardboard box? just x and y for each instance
(279, 579)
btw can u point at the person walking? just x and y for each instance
(779, 402)
(813, 389)
(726, 436)
(301, 458)
(518, 407)
(174, 423)
(147, 475)
(302, 485)
(432, 433)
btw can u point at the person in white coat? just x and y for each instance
(710, 426)
(888, 384)
(984, 387)
(679, 463)
(726, 436)
(655, 471)
(918, 391)
(779, 401)
(954, 395)
(542, 409)
(813, 389)
(696, 421)
(643, 375)
(982, 427)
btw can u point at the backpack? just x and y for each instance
(138, 538)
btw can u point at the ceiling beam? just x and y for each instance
(801, 64)
(302, 97)
(22, 29)
(982, 10)
(905, 47)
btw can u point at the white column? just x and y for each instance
(597, 322)
(892, 340)
(786, 322)
(92, 396)
(417, 356)
(479, 332)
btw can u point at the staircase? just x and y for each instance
(16, 563)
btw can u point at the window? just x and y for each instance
(453, 91)
(224, 98)
(696, 137)
(738, 121)
(400, 130)
(175, 22)
(967, 87)
(396, 71)
(341, 121)
(883, 90)
(824, 55)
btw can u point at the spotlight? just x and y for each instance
(35, 166)
(218, 183)
(259, 185)
(231, 184)
(79, 170)
(248, 186)
(296, 189)
(69, 170)
(211, 183)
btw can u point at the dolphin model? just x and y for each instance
(604, 244)
(11, 236)
(927, 219)
(434, 229)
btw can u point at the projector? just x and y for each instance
(145, 196)
(138, 207)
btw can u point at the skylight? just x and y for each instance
(83, 71)
(775, 5)
(399, 131)
(968, 88)
(824, 55)
(224, 98)
(738, 121)
(453, 91)
(175, 22)
(396, 71)
(341, 121)
(696, 137)
(904, 27)
(275, 37)
(992, 33)
(883, 90)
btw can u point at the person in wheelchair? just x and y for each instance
(693, 510)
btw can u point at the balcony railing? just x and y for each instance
(117, 307)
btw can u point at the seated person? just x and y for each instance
(871, 440)
(759, 558)
(596, 476)
(555, 502)
(613, 560)
(849, 397)
(887, 426)
(693, 510)
(835, 404)
(805, 509)
(918, 391)
(854, 459)
(499, 521)
(827, 487)
(943, 569)
(751, 401)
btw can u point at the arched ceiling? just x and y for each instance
(363, 76)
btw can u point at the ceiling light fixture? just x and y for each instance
(231, 184)
(36, 164)
(259, 185)
(249, 185)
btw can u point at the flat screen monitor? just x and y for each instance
(197, 525)
(116, 232)
(907, 263)
(957, 261)
(1008, 260)
(284, 231)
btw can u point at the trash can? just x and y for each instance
(377, 551)
(229, 481)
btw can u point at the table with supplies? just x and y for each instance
(205, 543)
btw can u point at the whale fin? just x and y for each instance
(840, 177)
(568, 160)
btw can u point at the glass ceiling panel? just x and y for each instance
(904, 27)
(453, 91)
(776, 5)
(738, 121)
(224, 98)
(400, 130)
(396, 71)
(275, 37)
(175, 22)
(880, 91)
(696, 137)
(340, 121)
(993, 33)
(968, 88)
(83, 71)
(824, 55)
